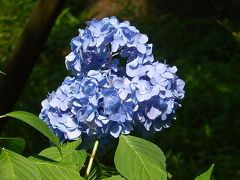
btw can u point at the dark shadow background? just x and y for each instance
(202, 38)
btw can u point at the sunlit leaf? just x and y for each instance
(72, 145)
(136, 158)
(56, 170)
(206, 175)
(69, 156)
(118, 177)
(14, 166)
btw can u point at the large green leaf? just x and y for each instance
(69, 156)
(36, 123)
(15, 144)
(117, 177)
(206, 175)
(15, 166)
(72, 145)
(136, 158)
(56, 170)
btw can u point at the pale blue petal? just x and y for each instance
(72, 135)
(115, 45)
(118, 83)
(114, 21)
(161, 68)
(180, 84)
(45, 104)
(173, 69)
(153, 113)
(142, 38)
(141, 48)
(90, 117)
(54, 102)
(123, 94)
(77, 66)
(100, 40)
(93, 100)
(140, 97)
(70, 123)
(167, 75)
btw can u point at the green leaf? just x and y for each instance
(15, 166)
(137, 158)
(36, 123)
(118, 177)
(56, 170)
(206, 175)
(69, 156)
(72, 145)
(15, 144)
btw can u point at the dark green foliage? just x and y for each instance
(13, 15)
(14, 144)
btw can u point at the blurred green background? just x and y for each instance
(202, 38)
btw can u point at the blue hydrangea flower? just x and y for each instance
(102, 98)
(94, 104)
(158, 91)
(102, 40)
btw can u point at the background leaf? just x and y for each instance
(56, 170)
(15, 166)
(15, 144)
(206, 175)
(36, 123)
(137, 158)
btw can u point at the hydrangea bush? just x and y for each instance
(103, 98)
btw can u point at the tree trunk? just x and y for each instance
(26, 53)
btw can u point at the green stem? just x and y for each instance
(3, 116)
(91, 158)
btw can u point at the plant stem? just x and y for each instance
(91, 158)
(115, 54)
(2, 116)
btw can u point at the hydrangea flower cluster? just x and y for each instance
(102, 98)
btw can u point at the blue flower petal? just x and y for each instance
(115, 131)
